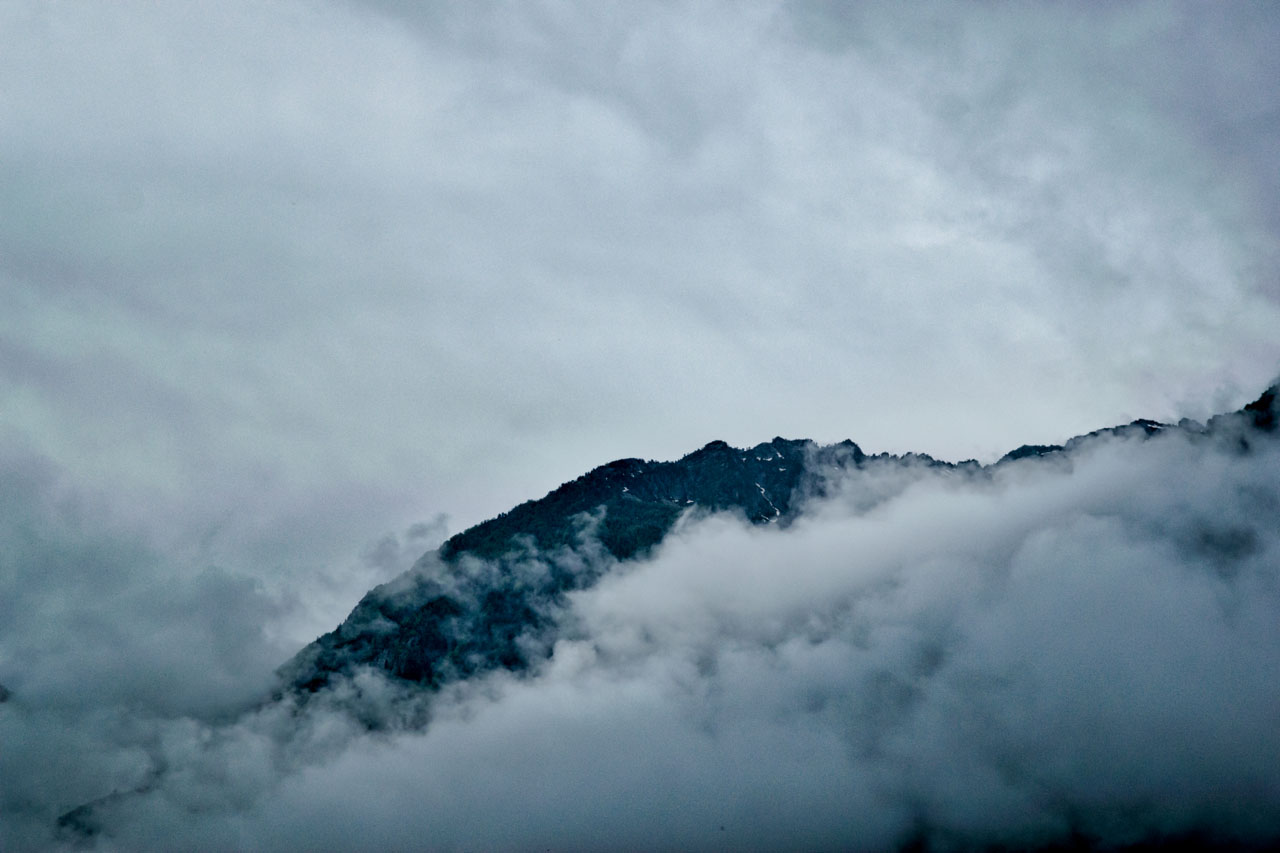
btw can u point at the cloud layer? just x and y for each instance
(1078, 646)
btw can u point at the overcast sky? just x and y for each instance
(290, 291)
(281, 279)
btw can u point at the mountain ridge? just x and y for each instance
(488, 598)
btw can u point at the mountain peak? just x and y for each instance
(709, 449)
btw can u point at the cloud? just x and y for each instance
(124, 652)
(105, 642)
(1074, 646)
(393, 556)
(283, 279)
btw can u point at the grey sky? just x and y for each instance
(280, 279)
(467, 253)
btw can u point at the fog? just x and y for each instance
(1081, 646)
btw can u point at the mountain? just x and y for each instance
(479, 602)
(495, 597)
(491, 596)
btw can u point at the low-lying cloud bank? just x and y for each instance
(1082, 647)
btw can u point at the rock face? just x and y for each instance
(491, 596)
